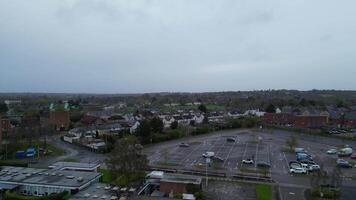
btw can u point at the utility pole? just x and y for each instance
(207, 161)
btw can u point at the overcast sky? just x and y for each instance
(130, 46)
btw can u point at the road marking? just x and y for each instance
(256, 157)
(187, 157)
(269, 160)
(291, 193)
(285, 158)
(210, 147)
(243, 156)
(228, 155)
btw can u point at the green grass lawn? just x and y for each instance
(263, 192)
(215, 107)
(163, 163)
(106, 176)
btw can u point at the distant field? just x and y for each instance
(215, 107)
(210, 107)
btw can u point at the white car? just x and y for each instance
(247, 161)
(314, 168)
(208, 154)
(298, 170)
(331, 151)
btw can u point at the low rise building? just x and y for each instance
(310, 121)
(76, 166)
(95, 192)
(170, 184)
(43, 182)
(59, 116)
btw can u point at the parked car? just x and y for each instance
(208, 154)
(218, 159)
(298, 170)
(300, 150)
(353, 156)
(314, 168)
(263, 165)
(343, 163)
(331, 151)
(247, 161)
(304, 156)
(294, 164)
(183, 144)
(308, 162)
(344, 152)
(231, 139)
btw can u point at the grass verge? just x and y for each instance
(107, 178)
(263, 192)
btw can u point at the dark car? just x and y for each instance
(231, 139)
(344, 165)
(217, 159)
(308, 162)
(183, 144)
(263, 165)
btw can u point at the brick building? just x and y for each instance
(298, 121)
(310, 121)
(5, 124)
(176, 184)
(349, 119)
(170, 184)
(59, 117)
(280, 119)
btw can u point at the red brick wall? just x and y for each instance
(350, 122)
(5, 123)
(167, 187)
(278, 118)
(310, 121)
(59, 119)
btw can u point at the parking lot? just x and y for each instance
(228, 154)
(260, 146)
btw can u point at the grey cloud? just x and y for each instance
(179, 45)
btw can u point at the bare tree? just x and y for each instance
(292, 142)
(126, 158)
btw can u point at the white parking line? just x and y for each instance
(256, 157)
(187, 157)
(243, 156)
(228, 155)
(211, 146)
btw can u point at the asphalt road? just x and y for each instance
(71, 152)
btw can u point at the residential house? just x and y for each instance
(234, 114)
(167, 121)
